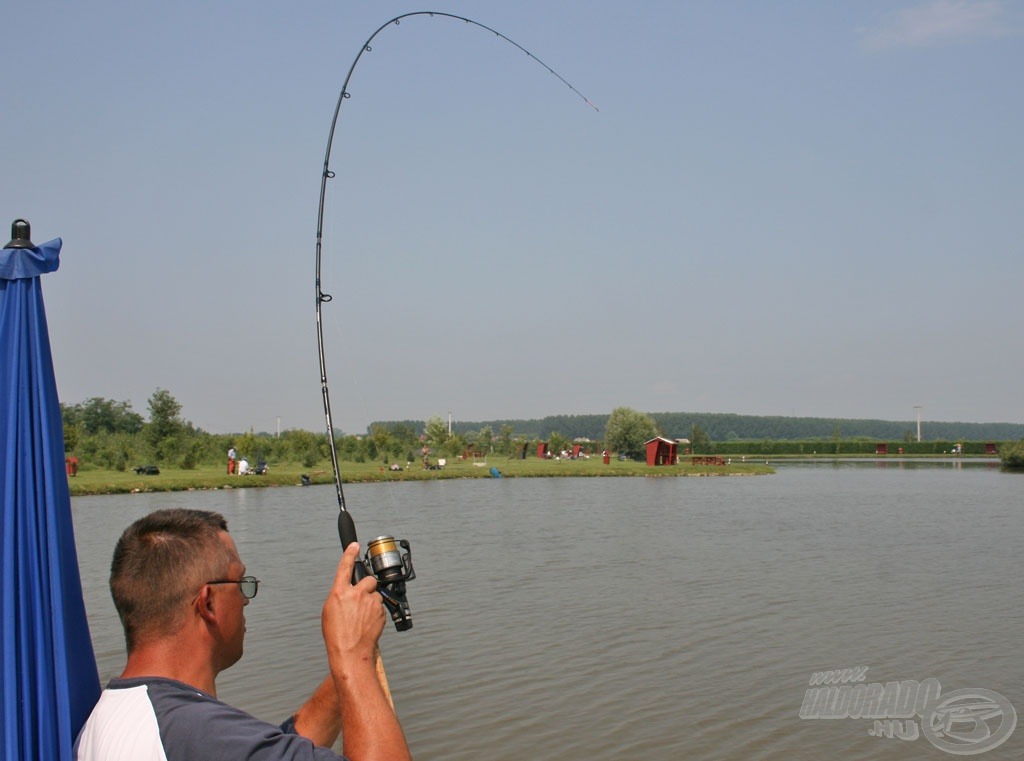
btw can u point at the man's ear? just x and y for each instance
(205, 604)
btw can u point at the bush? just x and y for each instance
(1012, 455)
(190, 459)
(310, 458)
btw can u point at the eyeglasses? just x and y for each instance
(247, 585)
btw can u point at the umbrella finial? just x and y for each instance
(21, 235)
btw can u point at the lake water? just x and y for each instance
(634, 618)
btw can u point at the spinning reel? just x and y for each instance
(392, 568)
(388, 564)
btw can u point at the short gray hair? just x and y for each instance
(159, 563)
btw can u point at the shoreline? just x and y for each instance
(102, 482)
(95, 482)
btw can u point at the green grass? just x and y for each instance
(95, 481)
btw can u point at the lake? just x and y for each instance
(638, 618)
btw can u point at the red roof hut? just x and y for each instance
(661, 451)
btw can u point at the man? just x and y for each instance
(180, 589)
(232, 456)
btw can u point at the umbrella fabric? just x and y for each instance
(49, 679)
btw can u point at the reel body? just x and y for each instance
(386, 562)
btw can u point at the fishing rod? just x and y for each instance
(387, 559)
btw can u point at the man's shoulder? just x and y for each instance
(178, 707)
(167, 720)
(147, 719)
(122, 725)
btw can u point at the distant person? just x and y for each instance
(181, 591)
(243, 467)
(232, 456)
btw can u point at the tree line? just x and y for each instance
(110, 434)
(724, 427)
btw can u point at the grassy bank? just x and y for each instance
(96, 481)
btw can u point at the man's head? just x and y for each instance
(161, 564)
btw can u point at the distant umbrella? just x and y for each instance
(48, 677)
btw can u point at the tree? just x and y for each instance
(436, 431)
(98, 415)
(70, 436)
(506, 439)
(403, 436)
(699, 440)
(310, 448)
(557, 443)
(484, 439)
(380, 441)
(628, 430)
(247, 446)
(165, 425)
(1012, 455)
(455, 445)
(193, 452)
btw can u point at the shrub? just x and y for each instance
(1012, 455)
(310, 458)
(191, 457)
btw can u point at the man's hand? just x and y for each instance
(353, 615)
(352, 620)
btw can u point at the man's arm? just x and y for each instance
(319, 719)
(353, 619)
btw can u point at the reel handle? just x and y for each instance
(347, 534)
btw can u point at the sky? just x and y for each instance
(789, 208)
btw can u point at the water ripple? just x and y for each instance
(630, 618)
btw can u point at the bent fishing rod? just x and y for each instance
(387, 559)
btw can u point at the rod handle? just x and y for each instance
(347, 534)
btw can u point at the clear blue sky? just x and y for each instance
(791, 208)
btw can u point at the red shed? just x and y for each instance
(881, 449)
(661, 451)
(542, 450)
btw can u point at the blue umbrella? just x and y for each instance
(49, 682)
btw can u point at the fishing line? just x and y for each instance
(345, 522)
